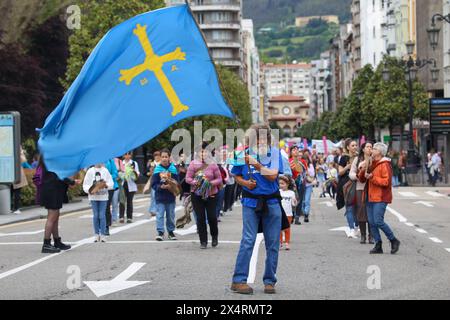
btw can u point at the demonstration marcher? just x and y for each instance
(288, 202)
(17, 187)
(53, 195)
(261, 207)
(379, 180)
(166, 187)
(150, 170)
(309, 181)
(112, 216)
(129, 173)
(97, 182)
(361, 163)
(298, 168)
(205, 179)
(344, 184)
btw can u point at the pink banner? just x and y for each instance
(325, 145)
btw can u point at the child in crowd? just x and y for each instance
(288, 202)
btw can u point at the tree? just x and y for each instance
(99, 17)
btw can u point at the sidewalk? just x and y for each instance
(35, 213)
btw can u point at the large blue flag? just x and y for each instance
(143, 76)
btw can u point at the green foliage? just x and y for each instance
(372, 103)
(292, 43)
(98, 18)
(235, 93)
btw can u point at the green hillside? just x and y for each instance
(275, 11)
(292, 43)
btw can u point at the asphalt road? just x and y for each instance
(322, 264)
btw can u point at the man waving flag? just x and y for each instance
(144, 75)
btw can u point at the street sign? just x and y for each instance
(9, 147)
(440, 116)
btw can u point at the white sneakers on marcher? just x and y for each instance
(352, 234)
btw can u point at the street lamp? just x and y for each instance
(433, 31)
(411, 68)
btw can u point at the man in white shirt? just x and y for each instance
(129, 173)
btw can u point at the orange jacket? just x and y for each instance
(380, 185)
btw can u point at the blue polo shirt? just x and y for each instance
(273, 160)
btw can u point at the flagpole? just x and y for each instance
(227, 98)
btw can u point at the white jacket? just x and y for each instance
(101, 174)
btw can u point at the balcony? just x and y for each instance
(229, 62)
(213, 5)
(223, 44)
(214, 25)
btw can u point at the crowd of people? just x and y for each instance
(275, 185)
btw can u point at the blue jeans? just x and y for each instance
(349, 214)
(115, 206)
(395, 182)
(375, 214)
(307, 200)
(152, 208)
(271, 227)
(99, 210)
(220, 199)
(169, 209)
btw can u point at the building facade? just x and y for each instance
(287, 79)
(220, 21)
(399, 26)
(372, 18)
(251, 68)
(320, 88)
(427, 9)
(446, 50)
(289, 113)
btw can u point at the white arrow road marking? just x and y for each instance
(254, 259)
(421, 230)
(425, 203)
(409, 224)
(192, 229)
(345, 229)
(21, 233)
(408, 194)
(78, 244)
(398, 215)
(435, 240)
(328, 203)
(435, 194)
(119, 283)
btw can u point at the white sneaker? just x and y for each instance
(103, 239)
(352, 234)
(17, 212)
(97, 238)
(357, 232)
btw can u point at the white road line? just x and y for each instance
(425, 203)
(21, 233)
(434, 239)
(421, 230)
(124, 242)
(408, 194)
(435, 194)
(78, 244)
(448, 249)
(328, 203)
(409, 224)
(139, 207)
(254, 259)
(398, 215)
